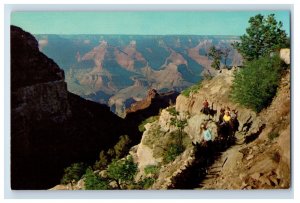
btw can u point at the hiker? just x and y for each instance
(234, 121)
(227, 110)
(226, 117)
(207, 135)
(206, 144)
(205, 108)
(233, 114)
(222, 113)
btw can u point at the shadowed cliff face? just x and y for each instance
(50, 127)
(24, 52)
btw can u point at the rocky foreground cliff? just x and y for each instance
(258, 158)
(51, 127)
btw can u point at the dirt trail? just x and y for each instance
(262, 159)
(225, 162)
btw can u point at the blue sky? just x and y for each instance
(141, 22)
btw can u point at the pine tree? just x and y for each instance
(122, 171)
(93, 181)
(122, 147)
(73, 173)
(102, 162)
(216, 55)
(263, 36)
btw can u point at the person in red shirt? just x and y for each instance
(205, 103)
(205, 108)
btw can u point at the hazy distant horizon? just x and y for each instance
(150, 35)
(217, 23)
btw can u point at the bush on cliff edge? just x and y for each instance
(256, 84)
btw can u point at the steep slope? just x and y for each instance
(263, 163)
(256, 156)
(50, 127)
(180, 172)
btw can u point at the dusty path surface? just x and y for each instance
(260, 159)
(226, 162)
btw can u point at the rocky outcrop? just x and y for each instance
(149, 153)
(78, 186)
(24, 51)
(156, 140)
(144, 103)
(144, 154)
(265, 162)
(128, 96)
(285, 55)
(217, 92)
(259, 160)
(150, 106)
(169, 172)
(50, 127)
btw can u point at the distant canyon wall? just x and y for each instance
(119, 70)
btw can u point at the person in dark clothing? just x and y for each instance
(222, 113)
(234, 121)
(205, 108)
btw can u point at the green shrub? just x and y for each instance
(156, 135)
(73, 173)
(172, 152)
(148, 120)
(145, 183)
(172, 111)
(95, 182)
(256, 84)
(102, 162)
(122, 147)
(179, 124)
(216, 56)
(151, 169)
(273, 135)
(122, 171)
(111, 153)
(192, 89)
(160, 143)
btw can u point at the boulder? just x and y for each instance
(285, 55)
